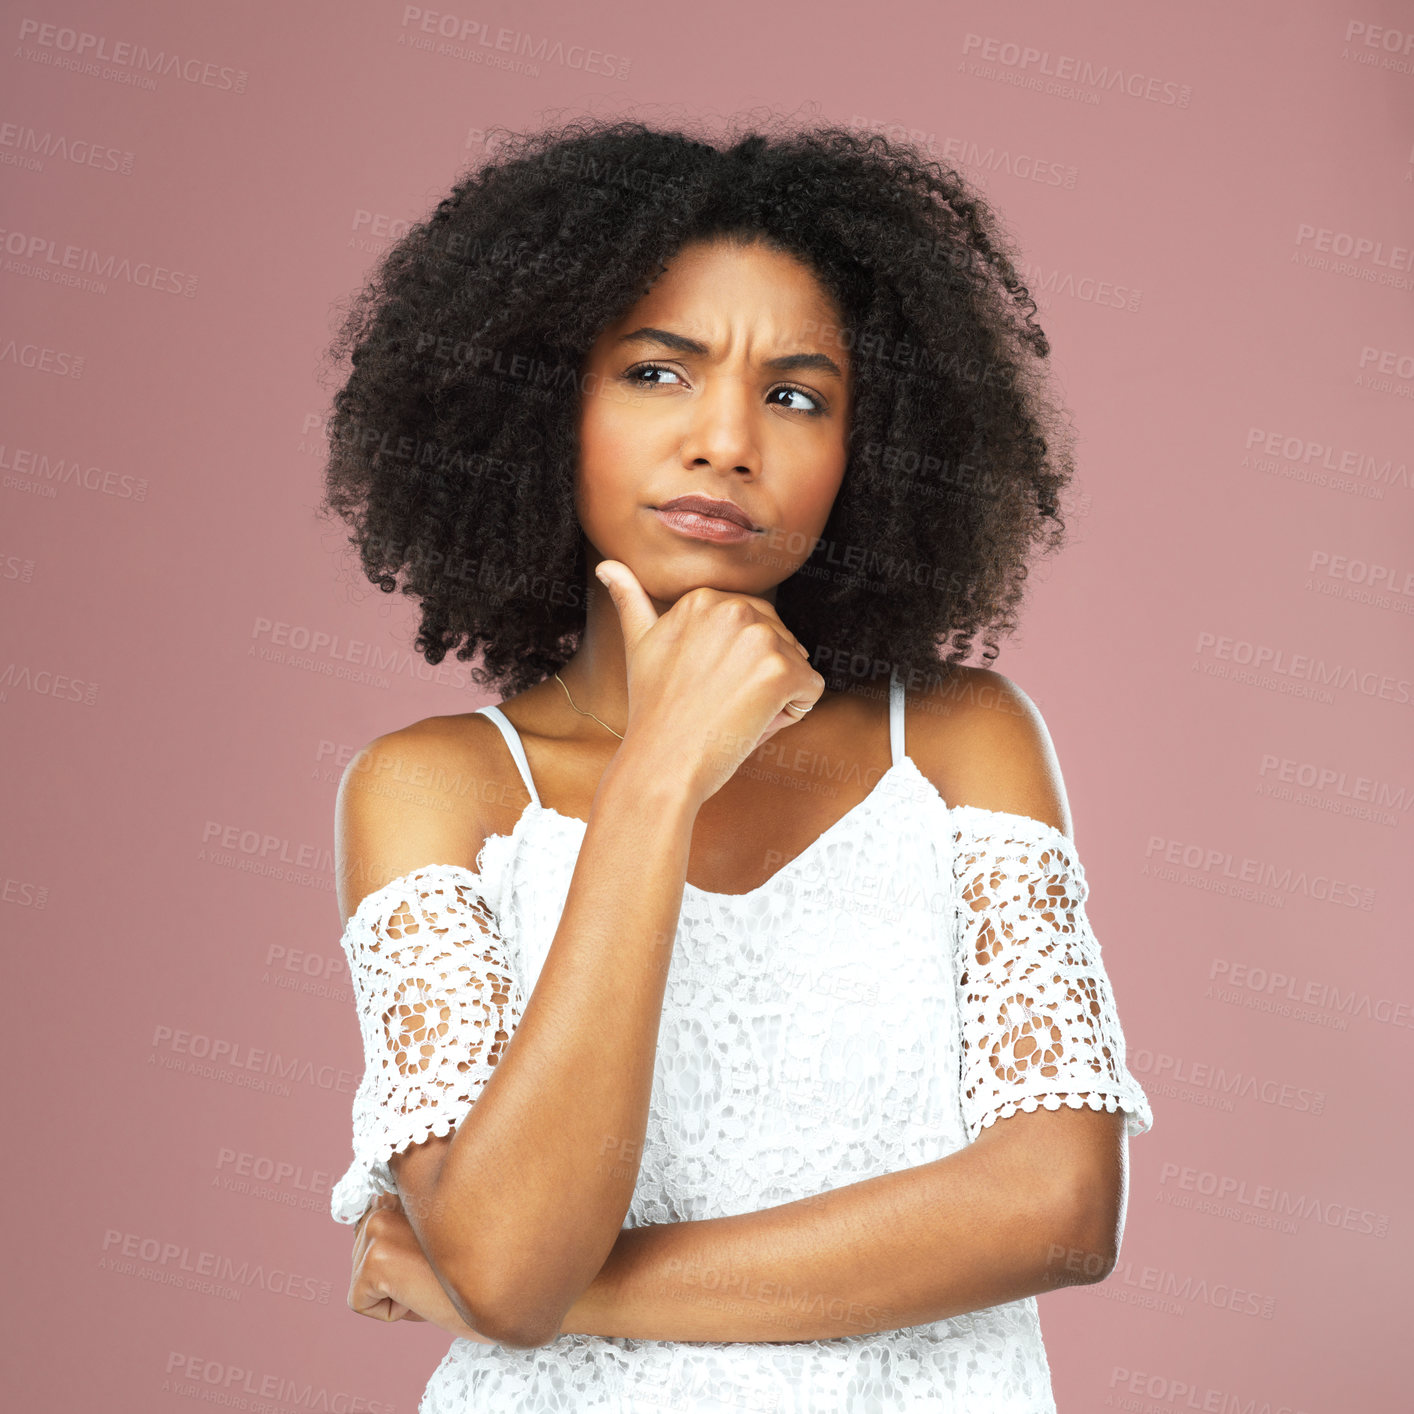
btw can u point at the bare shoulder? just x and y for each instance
(982, 741)
(427, 793)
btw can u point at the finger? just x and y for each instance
(635, 609)
(769, 610)
(805, 698)
(368, 1297)
(363, 1235)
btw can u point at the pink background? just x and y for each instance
(1243, 407)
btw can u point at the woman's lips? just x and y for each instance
(697, 526)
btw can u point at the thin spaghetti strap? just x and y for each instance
(896, 705)
(513, 741)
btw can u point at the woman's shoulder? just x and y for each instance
(982, 741)
(430, 792)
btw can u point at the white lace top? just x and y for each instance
(855, 1015)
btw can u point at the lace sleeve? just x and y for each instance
(437, 1003)
(1039, 1022)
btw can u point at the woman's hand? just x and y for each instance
(392, 1278)
(709, 680)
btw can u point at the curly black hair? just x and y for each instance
(453, 439)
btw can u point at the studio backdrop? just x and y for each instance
(1212, 206)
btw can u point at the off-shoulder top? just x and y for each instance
(919, 972)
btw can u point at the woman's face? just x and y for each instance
(726, 380)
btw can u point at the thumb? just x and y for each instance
(635, 609)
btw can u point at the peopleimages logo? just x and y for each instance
(1039, 68)
(1227, 1084)
(1379, 46)
(41, 359)
(40, 256)
(41, 469)
(247, 1067)
(237, 1387)
(1336, 781)
(1289, 994)
(1275, 663)
(1265, 1204)
(348, 659)
(1262, 874)
(1356, 247)
(179, 1264)
(454, 35)
(21, 145)
(1308, 451)
(1187, 1394)
(63, 47)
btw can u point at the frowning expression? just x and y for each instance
(726, 381)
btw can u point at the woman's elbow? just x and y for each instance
(1089, 1232)
(1091, 1203)
(520, 1331)
(510, 1320)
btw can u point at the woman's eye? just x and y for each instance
(799, 393)
(633, 373)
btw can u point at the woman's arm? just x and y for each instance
(1020, 1211)
(1026, 1208)
(568, 1097)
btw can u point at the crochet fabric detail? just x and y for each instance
(437, 1003)
(1038, 1013)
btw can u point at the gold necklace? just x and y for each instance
(582, 712)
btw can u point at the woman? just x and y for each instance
(735, 1034)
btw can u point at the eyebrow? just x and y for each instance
(785, 363)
